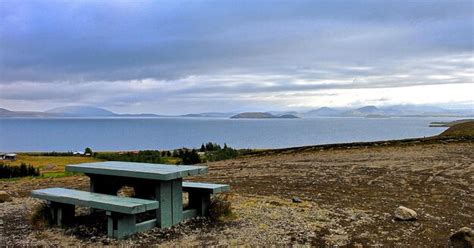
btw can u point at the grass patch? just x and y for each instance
(220, 208)
(41, 216)
(51, 163)
(57, 174)
(464, 129)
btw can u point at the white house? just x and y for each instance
(8, 156)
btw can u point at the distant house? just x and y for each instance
(8, 156)
(78, 153)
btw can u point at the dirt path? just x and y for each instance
(348, 194)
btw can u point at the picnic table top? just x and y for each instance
(161, 172)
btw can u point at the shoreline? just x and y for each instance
(345, 145)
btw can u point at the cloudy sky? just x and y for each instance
(174, 57)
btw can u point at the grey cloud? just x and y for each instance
(52, 41)
(96, 52)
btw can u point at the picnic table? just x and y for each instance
(158, 187)
(151, 181)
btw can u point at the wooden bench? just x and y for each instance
(121, 211)
(200, 197)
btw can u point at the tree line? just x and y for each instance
(9, 171)
(207, 152)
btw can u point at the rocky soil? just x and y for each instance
(347, 196)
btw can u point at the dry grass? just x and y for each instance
(465, 129)
(221, 208)
(40, 216)
(51, 163)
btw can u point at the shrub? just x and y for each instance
(88, 150)
(222, 154)
(51, 154)
(208, 147)
(9, 171)
(190, 157)
(41, 216)
(220, 208)
(147, 156)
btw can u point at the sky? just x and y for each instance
(177, 57)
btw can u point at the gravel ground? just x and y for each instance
(348, 197)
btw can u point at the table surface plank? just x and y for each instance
(162, 172)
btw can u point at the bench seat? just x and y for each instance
(200, 197)
(125, 205)
(210, 188)
(121, 211)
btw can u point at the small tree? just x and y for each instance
(190, 157)
(88, 150)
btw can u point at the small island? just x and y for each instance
(449, 123)
(262, 115)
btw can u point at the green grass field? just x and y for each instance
(50, 164)
(53, 166)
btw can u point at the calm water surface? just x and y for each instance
(70, 134)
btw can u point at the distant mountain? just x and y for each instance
(280, 113)
(288, 116)
(139, 115)
(323, 111)
(365, 111)
(423, 110)
(261, 115)
(210, 115)
(81, 111)
(5, 113)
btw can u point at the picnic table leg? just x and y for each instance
(199, 201)
(120, 225)
(62, 214)
(170, 196)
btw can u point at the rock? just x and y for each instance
(463, 238)
(296, 200)
(404, 213)
(4, 197)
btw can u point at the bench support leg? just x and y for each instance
(200, 201)
(170, 196)
(62, 214)
(120, 225)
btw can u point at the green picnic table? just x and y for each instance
(150, 181)
(158, 188)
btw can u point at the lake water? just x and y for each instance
(70, 134)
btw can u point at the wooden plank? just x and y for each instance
(110, 224)
(145, 225)
(112, 203)
(210, 188)
(64, 213)
(177, 200)
(125, 225)
(138, 170)
(164, 214)
(190, 213)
